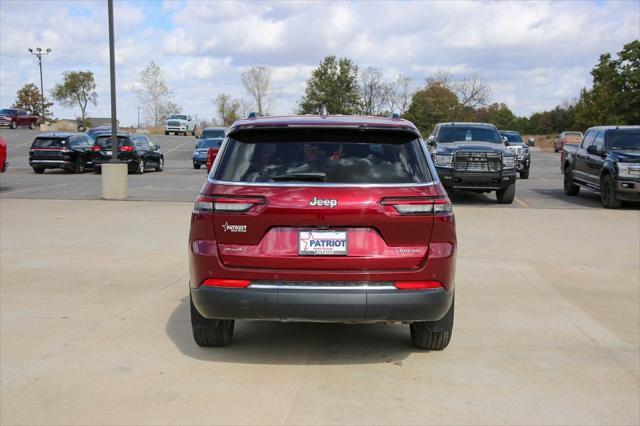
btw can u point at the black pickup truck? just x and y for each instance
(473, 157)
(608, 161)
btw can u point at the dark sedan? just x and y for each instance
(137, 151)
(67, 151)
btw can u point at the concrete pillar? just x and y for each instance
(114, 181)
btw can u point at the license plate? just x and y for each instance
(635, 172)
(322, 243)
(107, 152)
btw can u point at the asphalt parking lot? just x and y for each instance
(180, 182)
(94, 318)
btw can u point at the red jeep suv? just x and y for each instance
(323, 218)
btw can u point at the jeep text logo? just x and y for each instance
(234, 228)
(318, 202)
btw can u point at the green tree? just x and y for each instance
(433, 104)
(29, 99)
(615, 95)
(333, 84)
(497, 114)
(77, 89)
(227, 109)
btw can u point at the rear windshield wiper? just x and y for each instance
(314, 177)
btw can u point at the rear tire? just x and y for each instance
(570, 188)
(38, 170)
(196, 166)
(14, 125)
(433, 335)
(166, 133)
(506, 195)
(32, 125)
(210, 332)
(160, 166)
(608, 193)
(140, 167)
(524, 174)
(79, 169)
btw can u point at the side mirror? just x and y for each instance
(531, 142)
(431, 140)
(156, 147)
(505, 140)
(593, 150)
(211, 156)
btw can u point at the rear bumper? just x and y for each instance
(484, 181)
(324, 305)
(51, 164)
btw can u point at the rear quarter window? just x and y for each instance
(319, 155)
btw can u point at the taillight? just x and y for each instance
(419, 205)
(225, 204)
(217, 282)
(127, 149)
(417, 285)
(95, 148)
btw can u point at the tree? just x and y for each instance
(78, 88)
(497, 114)
(472, 92)
(615, 95)
(257, 82)
(29, 99)
(375, 94)
(402, 90)
(154, 96)
(227, 109)
(433, 104)
(333, 84)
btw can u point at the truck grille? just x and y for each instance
(173, 123)
(517, 151)
(477, 162)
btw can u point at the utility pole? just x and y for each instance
(112, 74)
(138, 116)
(39, 53)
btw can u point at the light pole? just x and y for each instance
(39, 53)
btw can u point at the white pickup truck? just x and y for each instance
(180, 123)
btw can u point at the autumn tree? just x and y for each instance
(154, 96)
(29, 99)
(433, 104)
(334, 84)
(227, 109)
(257, 82)
(77, 89)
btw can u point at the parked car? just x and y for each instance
(340, 219)
(520, 150)
(4, 164)
(137, 151)
(58, 150)
(15, 118)
(95, 131)
(180, 123)
(473, 156)
(211, 137)
(212, 154)
(607, 161)
(567, 138)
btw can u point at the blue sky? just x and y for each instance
(534, 55)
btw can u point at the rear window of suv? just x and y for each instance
(104, 141)
(318, 155)
(49, 143)
(468, 134)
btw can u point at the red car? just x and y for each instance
(15, 117)
(4, 164)
(323, 218)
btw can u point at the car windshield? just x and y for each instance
(48, 143)
(468, 134)
(573, 134)
(623, 138)
(104, 141)
(178, 117)
(512, 137)
(6, 111)
(209, 143)
(332, 156)
(212, 134)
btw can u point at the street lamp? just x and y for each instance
(39, 53)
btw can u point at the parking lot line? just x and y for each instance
(177, 147)
(35, 189)
(522, 203)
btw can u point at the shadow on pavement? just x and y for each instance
(468, 198)
(585, 198)
(296, 343)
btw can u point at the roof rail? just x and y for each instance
(254, 114)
